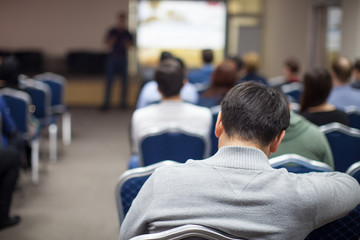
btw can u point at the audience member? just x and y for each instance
(252, 62)
(202, 76)
(171, 111)
(150, 92)
(356, 72)
(237, 191)
(9, 72)
(9, 171)
(342, 94)
(314, 107)
(291, 70)
(305, 139)
(118, 39)
(222, 80)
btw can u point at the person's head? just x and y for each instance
(357, 70)
(291, 67)
(9, 70)
(341, 69)
(252, 62)
(170, 78)
(121, 20)
(223, 78)
(207, 56)
(165, 55)
(317, 87)
(253, 113)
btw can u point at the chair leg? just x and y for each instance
(66, 128)
(53, 142)
(35, 161)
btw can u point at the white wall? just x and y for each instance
(286, 33)
(56, 26)
(350, 43)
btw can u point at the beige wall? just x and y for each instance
(286, 33)
(350, 44)
(56, 26)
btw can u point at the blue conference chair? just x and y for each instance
(57, 84)
(354, 171)
(130, 183)
(19, 104)
(191, 231)
(353, 114)
(172, 143)
(293, 91)
(298, 164)
(41, 97)
(344, 142)
(214, 140)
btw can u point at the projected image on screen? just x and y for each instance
(183, 28)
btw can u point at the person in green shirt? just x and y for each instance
(305, 139)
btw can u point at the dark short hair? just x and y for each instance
(254, 113)
(317, 87)
(165, 55)
(357, 65)
(238, 61)
(207, 56)
(293, 65)
(169, 77)
(342, 68)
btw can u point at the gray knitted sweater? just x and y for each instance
(236, 191)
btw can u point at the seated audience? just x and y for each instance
(203, 75)
(10, 162)
(291, 70)
(9, 72)
(356, 73)
(222, 80)
(252, 62)
(171, 111)
(236, 191)
(342, 94)
(305, 139)
(314, 107)
(150, 94)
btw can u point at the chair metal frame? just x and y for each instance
(46, 121)
(355, 167)
(173, 129)
(23, 96)
(186, 231)
(300, 160)
(59, 109)
(134, 173)
(291, 87)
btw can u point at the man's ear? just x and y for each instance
(276, 142)
(219, 128)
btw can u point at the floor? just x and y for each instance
(75, 197)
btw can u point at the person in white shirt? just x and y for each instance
(172, 111)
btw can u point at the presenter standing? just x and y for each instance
(118, 39)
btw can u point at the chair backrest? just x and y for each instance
(130, 183)
(190, 232)
(214, 140)
(353, 114)
(293, 91)
(172, 143)
(347, 227)
(19, 103)
(57, 85)
(41, 97)
(354, 171)
(299, 164)
(344, 142)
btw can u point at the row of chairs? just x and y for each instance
(43, 97)
(130, 183)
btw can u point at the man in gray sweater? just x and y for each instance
(236, 190)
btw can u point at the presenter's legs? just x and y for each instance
(124, 82)
(110, 75)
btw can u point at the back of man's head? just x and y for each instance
(207, 56)
(342, 69)
(169, 77)
(255, 113)
(293, 65)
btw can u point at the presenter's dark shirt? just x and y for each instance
(122, 37)
(322, 118)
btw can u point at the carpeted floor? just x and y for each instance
(75, 197)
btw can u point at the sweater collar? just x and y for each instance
(240, 157)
